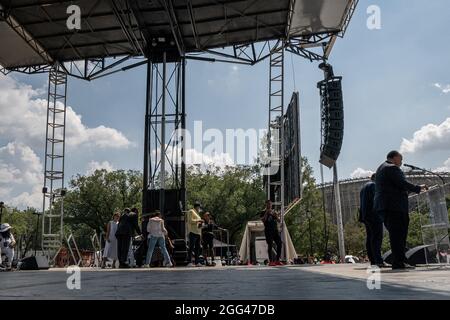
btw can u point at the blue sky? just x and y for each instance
(390, 79)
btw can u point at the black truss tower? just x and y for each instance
(164, 185)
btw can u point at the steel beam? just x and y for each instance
(26, 36)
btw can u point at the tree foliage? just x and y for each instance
(24, 223)
(92, 200)
(233, 195)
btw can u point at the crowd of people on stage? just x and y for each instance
(384, 200)
(124, 227)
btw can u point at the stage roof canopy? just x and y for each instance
(34, 32)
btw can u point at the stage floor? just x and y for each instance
(347, 281)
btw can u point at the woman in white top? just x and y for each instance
(157, 235)
(7, 244)
(110, 251)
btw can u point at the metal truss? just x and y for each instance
(27, 37)
(131, 23)
(164, 163)
(87, 69)
(26, 70)
(254, 53)
(53, 190)
(92, 69)
(276, 181)
(350, 11)
(125, 16)
(275, 132)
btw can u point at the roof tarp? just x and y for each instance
(112, 28)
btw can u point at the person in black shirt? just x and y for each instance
(391, 203)
(373, 222)
(128, 226)
(270, 220)
(208, 227)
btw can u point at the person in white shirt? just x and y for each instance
(157, 235)
(7, 244)
(110, 251)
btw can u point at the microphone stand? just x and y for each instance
(428, 171)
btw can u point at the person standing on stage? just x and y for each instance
(194, 231)
(373, 222)
(128, 225)
(391, 203)
(208, 228)
(157, 235)
(110, 251)
(135, 216)
(7, 244)
(270, 220)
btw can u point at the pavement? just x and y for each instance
(298, 282)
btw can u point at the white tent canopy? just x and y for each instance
(256, 228)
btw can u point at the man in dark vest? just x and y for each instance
(270, 220)
(373, 222)
(128, 225)
(391, 203)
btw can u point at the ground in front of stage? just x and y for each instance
(348, 281)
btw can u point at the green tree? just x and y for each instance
(92, 200)
(233, 195)
(25, 227)
(309, 225)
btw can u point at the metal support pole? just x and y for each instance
(183, 127)
(310, 235)
(163, 136)
(36, 235)
(148, 106)
(340, 225)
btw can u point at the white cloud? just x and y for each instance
(445, 88)
(428, 138)
(24, 116)
(445, 168)
(193, 157)
(361, 173)
(20, 168)
(95, 165)
(219, 160)
(228, 81)
(19, 164)
(31, 199)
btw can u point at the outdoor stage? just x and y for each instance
(241, 282)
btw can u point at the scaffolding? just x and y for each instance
(53, 190)
(164, 143)
(275, 178)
